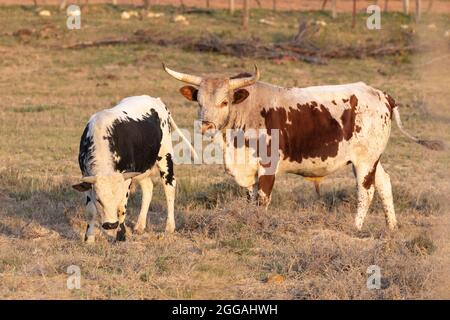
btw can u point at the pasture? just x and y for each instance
(302, 247)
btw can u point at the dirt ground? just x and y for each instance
(442, 6)
(302, 247)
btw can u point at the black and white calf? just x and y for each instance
(120, 144)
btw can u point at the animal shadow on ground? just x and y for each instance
(189, 197)
(37, 207)
(33, 209)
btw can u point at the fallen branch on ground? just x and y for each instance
(251, 48)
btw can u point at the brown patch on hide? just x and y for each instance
(391, 104)
(306, 131)
(369, 179)
(348, 118)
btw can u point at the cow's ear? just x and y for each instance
(189, 92)
(240, 95)
(82, 186)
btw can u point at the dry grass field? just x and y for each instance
(302, 247)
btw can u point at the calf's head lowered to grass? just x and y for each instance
(109, 194)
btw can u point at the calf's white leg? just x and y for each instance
(91, 213)
(165, 165)
(146, 185)
(121, 232)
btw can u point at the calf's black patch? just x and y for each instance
(85, 155)
(85, 234)
(110, 225)
(167, 174)
(135, 142)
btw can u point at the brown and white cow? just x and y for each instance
(320, 129)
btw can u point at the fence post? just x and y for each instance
(406, 7)
(418, 10)
(333, 9)
(354, 14)
(231, 3)
(245, 15)
(430, 5)
(62, 5)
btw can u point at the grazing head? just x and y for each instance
(214, 95)
(110, 192)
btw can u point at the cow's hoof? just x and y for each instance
(89, 239)
(358, 225)
(170, 228)
(363, 234)
(121, 234)
(393, 227)
(139, 231)
(121, 237)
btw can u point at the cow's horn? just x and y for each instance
(129, 175)
(89, 179)
(243, 82)
(189, 78)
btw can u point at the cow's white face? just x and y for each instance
(110, 197)
(110, 192)
(214, 97)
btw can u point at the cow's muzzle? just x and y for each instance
(206, 126)
(110, 225)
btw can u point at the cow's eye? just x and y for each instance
(224, 103)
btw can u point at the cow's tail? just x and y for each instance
(430, 144)
(174, 126)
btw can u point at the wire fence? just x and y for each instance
(340, 5)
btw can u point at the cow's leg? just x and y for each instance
(121, 232)
(91, 212)
(165, 165)
(365, 178)
(266, 180)
(252, 193)
(146, 185)
(384, 189)
(317, 188)
(265, 186)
